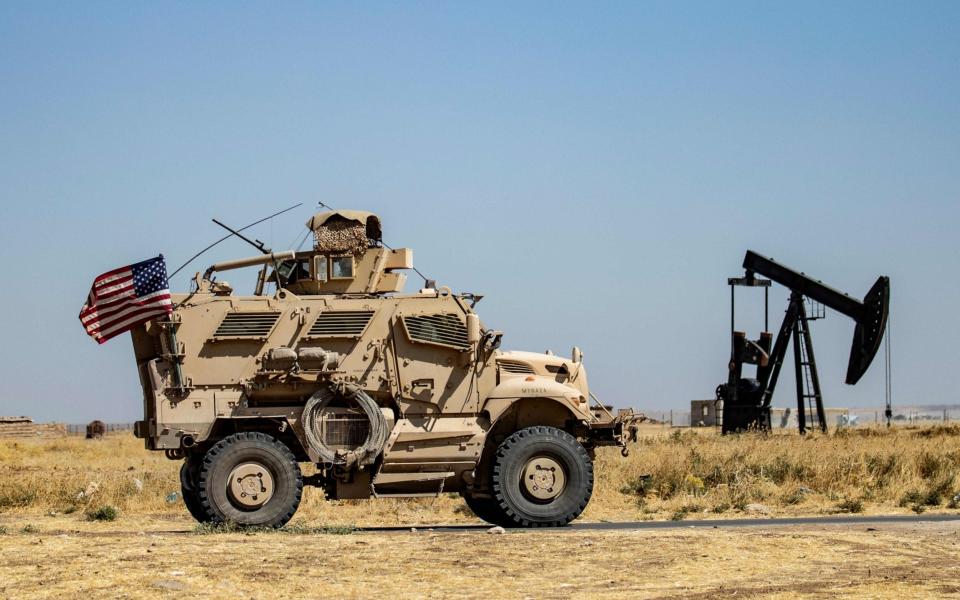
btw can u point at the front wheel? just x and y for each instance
(250, 479)
(542, 477)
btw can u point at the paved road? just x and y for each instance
(714, 523)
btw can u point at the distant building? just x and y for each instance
(704, 413)
(24, 427)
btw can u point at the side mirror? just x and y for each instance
(473, 329)
(576, 355)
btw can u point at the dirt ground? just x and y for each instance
(164, 556)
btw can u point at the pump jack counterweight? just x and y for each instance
(746, 401)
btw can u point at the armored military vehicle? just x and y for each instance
(385, 394)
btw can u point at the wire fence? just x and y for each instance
(81, 428)
(835, 417)
(674, 418)
(907, 414)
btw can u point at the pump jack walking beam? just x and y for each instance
(870, 314)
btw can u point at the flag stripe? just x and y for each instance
(131, 320)
(102, 281)
(96, 322)
(101, 338)
(108, 326)
(88, 307)
(98, 312)
(114, 289)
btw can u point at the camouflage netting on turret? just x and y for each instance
(349, 237)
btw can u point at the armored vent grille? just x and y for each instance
(515, 366)
(441, 330)
(341, 323)
(246, 325)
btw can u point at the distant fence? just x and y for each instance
(907, 414)
(842, 417)
(81, 428)
(837, 417)
(674, 418)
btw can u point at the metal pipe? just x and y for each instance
(171, 328)
(239, 263)
(732, 311)
(766, 309)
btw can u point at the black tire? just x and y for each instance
(272, 459)
(527, 449)
(486, 509)
(189, 471)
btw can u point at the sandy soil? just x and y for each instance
(163, 556)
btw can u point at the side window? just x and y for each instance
(341, 267)
(292, 270)
(286, 268)
(320, 268)
(303, 269)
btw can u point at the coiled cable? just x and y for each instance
(376, 437)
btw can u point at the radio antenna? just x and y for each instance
(256, 244)
(230, 235)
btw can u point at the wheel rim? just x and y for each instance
(250, 485)
(543, 479)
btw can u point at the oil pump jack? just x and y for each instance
(746, 401)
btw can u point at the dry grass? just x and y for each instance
(853, 470)
(668, 475)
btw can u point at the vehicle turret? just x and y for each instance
(348, 257)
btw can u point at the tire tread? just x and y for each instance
(222, 447)
(503, 451)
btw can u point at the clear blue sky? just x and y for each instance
(596, 169)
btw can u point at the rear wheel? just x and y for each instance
(542, 477)
(250, 479)
(189, 471)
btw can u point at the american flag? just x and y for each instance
(123, 298)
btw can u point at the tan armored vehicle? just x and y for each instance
(387, 394)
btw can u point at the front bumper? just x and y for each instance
(616, 430)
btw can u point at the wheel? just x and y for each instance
(188, 489)
(486, 509)
(250, 479)
(542, 477)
